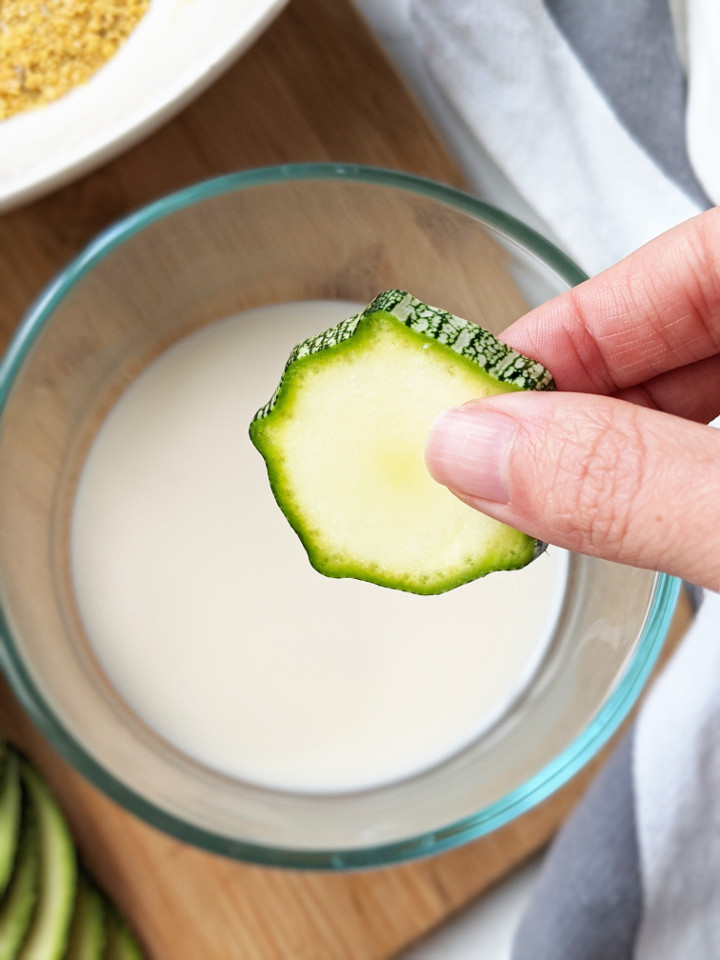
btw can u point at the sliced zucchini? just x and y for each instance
(18, 905)
(86, 940)
(120, 943)
(343, 439)
(47, 937)
(10, 811)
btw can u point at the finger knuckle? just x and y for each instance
(598, 474)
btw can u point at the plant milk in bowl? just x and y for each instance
(161, 622)
(203, 611)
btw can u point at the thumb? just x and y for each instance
(590, 473)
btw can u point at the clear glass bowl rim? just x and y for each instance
(541, 785)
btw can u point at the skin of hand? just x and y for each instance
(618, 463)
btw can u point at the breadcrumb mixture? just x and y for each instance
(49, 47)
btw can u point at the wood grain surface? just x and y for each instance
(314, 87)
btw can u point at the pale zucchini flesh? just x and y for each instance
(20, 898)
(86, 939)
(343, 439)
(47, 936)
(50, 909)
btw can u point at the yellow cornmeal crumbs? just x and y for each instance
(48, 48)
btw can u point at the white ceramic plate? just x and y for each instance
(177, 49)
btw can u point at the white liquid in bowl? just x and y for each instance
(203, 610)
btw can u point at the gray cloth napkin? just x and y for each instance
(589, 900)
(605, 118)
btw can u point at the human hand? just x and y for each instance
(619, 463)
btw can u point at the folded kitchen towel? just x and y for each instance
(588, 108)
(605, 117)
(635, 872)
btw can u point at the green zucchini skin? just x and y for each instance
(47, 935)
(10, 814)
(86, 937)
(50, 909)
(21, 894)
(467, 339)
(467, 350)
(120, 944)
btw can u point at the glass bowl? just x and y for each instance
(268, 236)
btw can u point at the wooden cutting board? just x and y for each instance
(314, 87)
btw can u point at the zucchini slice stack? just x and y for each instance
(343, 439)
(49, 908)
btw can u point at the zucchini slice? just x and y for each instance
(47, 937)
(86, 940)
(120, 943)
(17, 908)
(343, 440)
(10, 811)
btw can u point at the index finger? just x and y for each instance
(654, 311)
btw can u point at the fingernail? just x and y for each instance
(466, 451)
